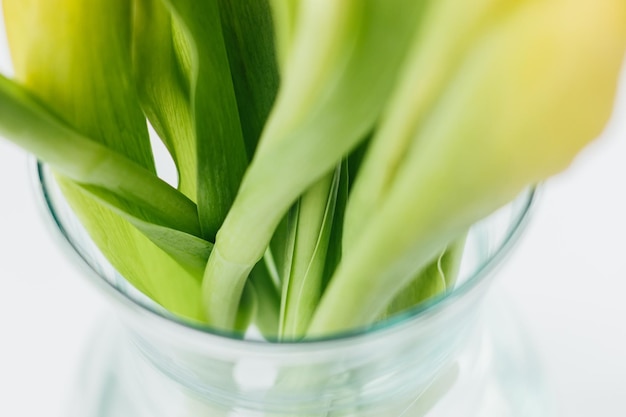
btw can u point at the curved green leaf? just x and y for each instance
(436, 279)
(163, 88)
(129, 186)
(248, 34)
(220, 148)
(74, 56)
(146, 266)
(302, 285)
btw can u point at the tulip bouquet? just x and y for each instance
(331, 154)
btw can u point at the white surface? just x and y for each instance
(566, 278)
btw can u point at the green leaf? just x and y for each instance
(111, 177)
(147, 267)
(248, 34)
(281, 247)
(302, 284)
(247, 310)
(268, 301)
(436, 279)
(60, 57)
(220, 147)
(163, 88)
(335, 249)
(188, 250)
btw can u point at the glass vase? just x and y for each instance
(453, 356)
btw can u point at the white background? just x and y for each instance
(566, 279)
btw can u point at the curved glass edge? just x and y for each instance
(49, 212)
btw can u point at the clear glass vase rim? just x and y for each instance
(423, 309)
